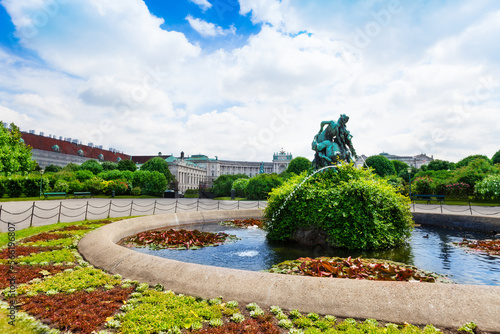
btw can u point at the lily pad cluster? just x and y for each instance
(370, 269)
(243, 223)
(490, 247)
(177, 239)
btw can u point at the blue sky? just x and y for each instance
(241, 79)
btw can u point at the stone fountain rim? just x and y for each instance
(444, 305)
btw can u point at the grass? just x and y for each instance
(462, 202)
(229, 199)
(37, 198)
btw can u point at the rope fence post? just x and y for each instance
(109, 210)
(86, 210)
(238, 205)
(59, 216)
(131, 207)
(441, 205)
(470, 208)
(154, 208)
(258, 204)
(197, 204)
(175, 210)
(32, 213)
(0, 211)
(218, 205)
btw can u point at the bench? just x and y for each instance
(428, 198)
(61, 194)
(77, 194)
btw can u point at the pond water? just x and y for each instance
(429, 248)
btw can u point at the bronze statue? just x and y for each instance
(333, 143)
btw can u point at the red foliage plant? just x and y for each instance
(25, 273)
(45, 237)
(247, 222)
(24, 251)
(82, 311)
(74, 228)
(491, 247)
(176, 238)
(249, 326)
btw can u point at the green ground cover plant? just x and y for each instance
(63, 256)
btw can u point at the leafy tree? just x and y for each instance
(240, 186)
(71, 167)
(151, 182)
(53, 169)
(109, 165)
(15, 156)
(381, 165)
(467, 160)
(496, 158)
(298, 165)
(91, 165)
(160, 165)
(127, 165)
(83, 175)
(440, 165)
(222, 185)
(399, 166)
(261, 185)
(111, 175)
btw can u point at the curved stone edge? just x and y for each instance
(398, 302)
(463, 222)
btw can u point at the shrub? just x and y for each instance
(136, 191)
(261, 185)
(2, 186)
(61, 186)
(298, 165)
(151, 183)
(353, 208)
(129, 165)
(91, 165)
(111, 175)
(422, 185)
(458, 190)
(489, 187)
(31, 185)
(95, 185)
(65, 175)
(52, 169)
(223, 184)
(109, 165)
(83, 175)
(240, 186)
(13, 186)
(159, 165)
(120, 187)
(467, 160)
(75, 186)
(496, 158)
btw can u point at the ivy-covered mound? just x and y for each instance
(351, 207)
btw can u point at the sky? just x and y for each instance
(243, 79)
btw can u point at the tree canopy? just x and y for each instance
(440, 165)
(127, 165)
(496, 158)
(91, 165)
(15, 156)
(467, 160)
(159, 165)
(381, 165)
(298, 165)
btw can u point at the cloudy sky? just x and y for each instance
(241, 79)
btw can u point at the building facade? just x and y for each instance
(416, 161)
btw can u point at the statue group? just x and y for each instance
(333, 143)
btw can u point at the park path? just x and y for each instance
(23, 214)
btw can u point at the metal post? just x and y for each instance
(86, 210)
(441, 205)
(470, 208)
(131, 206)
(0, 212)
(175, 210)
(154, 208)
(109, 210)
(258, 204)
(238, 205)
(197, 204)
(218, 205)
(59, 217)
(32, 213)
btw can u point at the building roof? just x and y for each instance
(46, 144)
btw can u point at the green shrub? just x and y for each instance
(489, 187)
(75, 186)
(422, 185)
(91, 165)
(13, 186)
(83, 175)
(354, 209)
(118, 186)
(109, 165)
(52, 169)
(31, 185)
(64, 175)
(261, 185)
(240, 186)
(61, 186)
(298, 165)
(95, 185)
(381, 165)
(111, 175)
(2, 186)
(128, 165)
(136, 191)
(223, 184)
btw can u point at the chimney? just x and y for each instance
(182, 155)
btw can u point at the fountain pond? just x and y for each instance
(429, 248)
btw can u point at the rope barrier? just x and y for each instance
(486, 214)
(99, 207)
(143, 206)
(14, 223)
(121, 206)
(97, 214)
(39, 208)
(17, 214)
(120, 210)
(466, 209)
(65, 215)
(142, 210)
(46, 217)
(74, 208)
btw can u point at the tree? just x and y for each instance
(91, 165)
(222, 185)
(381, 165)
(298, 165)
(240, 186)
(440, 165)
(496, 158)
(399, 166)
(109, 165)
(52, 169)
(71, 167)
(467, 160)
(127, 165)
(15, 156)
(159, 165)
(261, 185)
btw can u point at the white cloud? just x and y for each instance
(204, 4)
(207, 29)
(110, 75)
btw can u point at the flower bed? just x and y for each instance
(25, 273)
(25, 251)
(178, 239)
(45, 236)
(490, 247)
(370, 269)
